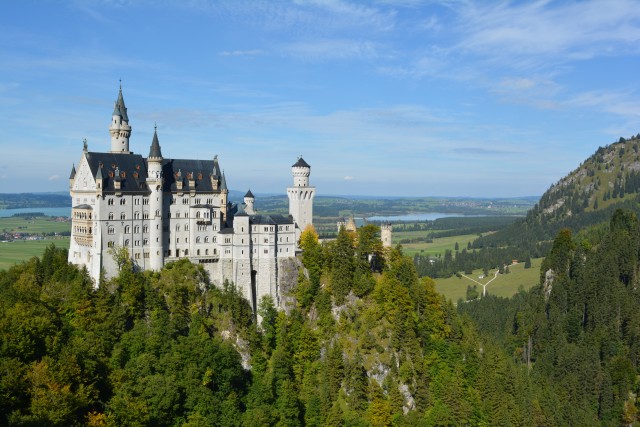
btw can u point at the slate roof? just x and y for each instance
(133, 172)
(73, 172)
(249, 194)
(270, 219)
(201, 170)
(154, 150)
(300, 163)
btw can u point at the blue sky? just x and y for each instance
(390, 97)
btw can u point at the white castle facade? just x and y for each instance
(163, 210)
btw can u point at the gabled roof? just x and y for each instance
(131, 168)
(300, 163)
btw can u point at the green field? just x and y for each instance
(21, 250)
(505, 285)
(438, 246)
(36, 225)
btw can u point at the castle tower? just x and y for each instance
(154, 182)
(119, 129)
(301, 196)
(249, 199)
(385, 234)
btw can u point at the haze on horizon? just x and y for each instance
(389, 97)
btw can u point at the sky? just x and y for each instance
(381, 98)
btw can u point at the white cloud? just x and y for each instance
(348, 178)
(251, 52)
(54, 177)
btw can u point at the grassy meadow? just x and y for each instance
(437, 246)
(44, 224)
(505, 285)
(21, 250)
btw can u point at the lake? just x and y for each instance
(425, 216)
(66, 211)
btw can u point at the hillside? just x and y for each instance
(609, 179)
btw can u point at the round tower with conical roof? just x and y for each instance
(155, 182)
(119, 129)
(301, 196)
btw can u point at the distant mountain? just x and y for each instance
(34, 200)
(607, 180)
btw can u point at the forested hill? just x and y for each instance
(609, 179)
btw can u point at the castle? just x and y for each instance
(163, 210)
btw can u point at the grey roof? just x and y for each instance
(83, 206)
(202, 170)
(120, 106)
(300, 163)
(73, 172)
(100, 173)
(154, 151)
(223, 182)
(249, 194)
(270, 219)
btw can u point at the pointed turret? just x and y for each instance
(100, 178)
(72, 176)
(223, 183)
(154, 151)
(119, 129)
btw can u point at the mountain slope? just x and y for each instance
(606, 181)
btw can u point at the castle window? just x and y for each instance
(266, 240)
(146, 254)
(198, 252)
(123, 201)
(145, 242)
(177, 214)
(123, 216)
(206, 239)
(136, 215)
(111, 230)
(186, 227)
(110, 215)
(145, 229)
(266, 251)
(136, 201)
(197, 239)
(177, 240)
(177, 227)
(145, 201)
(145, 215)
(110, 202)
(198, 214)
(206, 251)
(126, 242)
(109, 244)
(157, 213)
(127, 229)
(168, 252)
(136, 229)
(186, 252)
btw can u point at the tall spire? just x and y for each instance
(154, 151)
(120, 105)
(223, 182)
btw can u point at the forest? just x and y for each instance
(363, 341)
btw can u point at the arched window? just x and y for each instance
(206, 239)
(127, 229)
(198, 252)
(123, 216)
(126, 242)
(110, 215)
(197, 239)
(111, 230)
